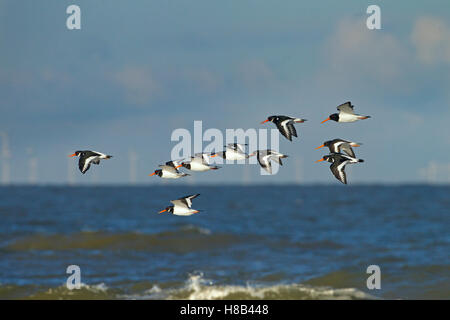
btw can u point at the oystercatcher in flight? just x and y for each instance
(285, 125)
(169, 170)
(339, 145)
(338, 163)
(87, 157)
(264, 157)
(182, 206)
(233, 151)
(199, 162)
(346, 114)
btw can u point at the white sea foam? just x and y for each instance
(199, 288)
(191, 227)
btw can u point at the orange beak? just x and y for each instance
(264, 121)
(73, 155)
(214, 155)
(152, 174)
(319, 160)
(326, 120)
(163, 211)
(178, 166)
(356, 145)
(320, 146)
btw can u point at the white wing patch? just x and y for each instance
(88, 161)
(341, 171)
(265, 163)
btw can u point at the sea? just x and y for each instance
(247, 242)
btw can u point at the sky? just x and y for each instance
(138, 70)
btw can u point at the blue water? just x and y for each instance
(282, 242)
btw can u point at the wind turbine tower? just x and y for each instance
(6, 155)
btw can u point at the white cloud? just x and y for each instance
(354, 51)
(436, 172)
(255, 73)
(200, 79)
(139, 84)
(431, 38)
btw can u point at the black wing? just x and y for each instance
(172, 164)
(82, 165)
(264, 160)
(287, 129)
(188, 199)
(338, 170)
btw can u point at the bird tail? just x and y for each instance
(215, 168)
(360, 160)
(355, 144)
(299, 120)
(364, 117)
(108, 157)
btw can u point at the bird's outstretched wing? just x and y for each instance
(345, 147)
(276, 156)
(237, 147)
(287, 128)
(83, 166)
(338, 170)
(264, 160)
(203, 157)
(84, 163)
(346, 107)
(173, 163)
(185, 201)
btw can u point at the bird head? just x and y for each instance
(169, 209)
(157, 172)
(326, 144)
(76, 154)
(326, 158)
(271, 119)
(334, 117)
(187, 165)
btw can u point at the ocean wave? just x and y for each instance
(184, 239)
(196, 287)
(96, 291)
(202, 289)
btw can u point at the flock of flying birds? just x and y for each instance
(341, 154)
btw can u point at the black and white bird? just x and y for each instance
(169, 170)
(182, 206)
(338, 163)
(87, 157)
(199, 162)
(346, 114)
(340, 145)
(265, 156)
(233, 151)
(285, 125)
